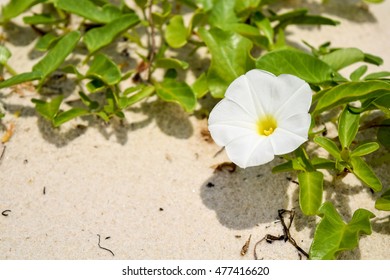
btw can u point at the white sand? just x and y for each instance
(143, 183)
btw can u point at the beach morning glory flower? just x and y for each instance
(261, 115)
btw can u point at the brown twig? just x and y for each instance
(286, 234)
(105, 248)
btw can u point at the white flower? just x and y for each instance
(261, 116)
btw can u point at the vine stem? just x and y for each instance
(152, 41)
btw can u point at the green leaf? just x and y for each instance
(383, 133)
(333, 235)
(171, 63)
(328, 145)
(300, 16)
(176, 33)
(383, 103)
(348, 127)
(179, 92)
(365, 149)
(200, 87)
(63, 117)
(16, 7)
(48, 109)
(291, 165)
(264, 24)
(56, 55)
(100, 37)
(104, 69)
(45, 42)
(373, 1)
(245, 7)
(41, 19)
(21, 78)
(222, 15)
(297, 63)
(358, 73)
(310, 191)
(377, 75)
(373, 59)
(230, 58)
(126, 100)
(383, 203)
(5, 54)
(323, 163)
(252, 33)
(351, 91)
(206, 5)
(364, 172)
(159, 18)
(89, 10)
(342, 58)
(91, 104)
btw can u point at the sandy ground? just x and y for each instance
(147, 187)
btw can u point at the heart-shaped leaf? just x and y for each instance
(342, 58)
(104, 69)
(300, 64)
(333, 235)
(230, 58)
(176, 33)
(174, 91)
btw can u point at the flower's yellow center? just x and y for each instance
(266, 125)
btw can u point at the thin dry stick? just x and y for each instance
(103, 247)
(2, 153)
(286, 236)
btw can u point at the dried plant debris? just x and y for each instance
(2, 153)
(245, 248)
(286, 236)
(5, 212)
(225, 166)
(104, 247)
(8, 133)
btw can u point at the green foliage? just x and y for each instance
(333, 235)
(175, 91)
(350, 91)
(297, 63)
(100, 37)
(348, 127)
(16, 7)
(176, 33)
(222, 71)
(89, 10)
(104, 69)
(383, 203)
(310, 191)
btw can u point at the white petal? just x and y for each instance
(297, 124)
(227, 110)
(240, 93)
(223, 134)
(262, 84)
(284, 141)
(250, 150)
(295, 96)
